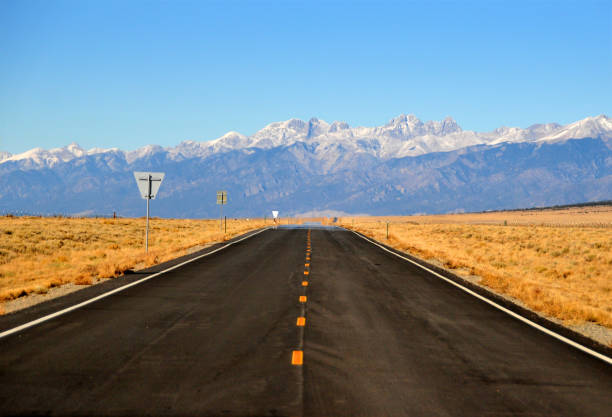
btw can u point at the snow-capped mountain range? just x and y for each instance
(403, 136)
(406, 166)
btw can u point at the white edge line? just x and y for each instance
(499, 307)
(116, 290)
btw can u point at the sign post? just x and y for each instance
(221, 200)
(148, 185)
(275, 215)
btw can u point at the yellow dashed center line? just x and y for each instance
(297, 358)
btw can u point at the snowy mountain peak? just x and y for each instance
(406, 126)
(442, 128)
(590, 127)
(337, 126)
(43, 157)
(317, 127)
(145, 151)
(404, 119)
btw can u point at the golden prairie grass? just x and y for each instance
(596, 216)
(557, 262)
(39, 253)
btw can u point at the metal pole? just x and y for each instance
(387, 230)
(221, 216)
(148, 199)
(147, 232)
(225, 224)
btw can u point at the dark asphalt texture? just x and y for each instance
(215, 338)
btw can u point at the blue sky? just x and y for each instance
(125, 74)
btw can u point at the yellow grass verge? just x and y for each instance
(556, 267)
(39, 253)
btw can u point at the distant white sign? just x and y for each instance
(275, 214)
(149, 183)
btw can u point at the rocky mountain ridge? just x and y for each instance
(403, 167)
(404, 135)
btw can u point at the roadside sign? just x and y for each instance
(275, 213)
(149, 183)
(221, 197)
(221, 201)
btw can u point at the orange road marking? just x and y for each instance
(306, 265)
(297, 358)
(301, 321)
(304, 283)
(302, 298)
(306, 272)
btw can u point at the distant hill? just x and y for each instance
(404, 167)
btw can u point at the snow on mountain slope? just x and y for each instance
(231, 140)
(516, 134)
(404, 135)
(39, 157)
(42, 157)
(4, 155)
(591, 127)
(145, 151)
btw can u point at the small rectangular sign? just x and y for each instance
(221, 197)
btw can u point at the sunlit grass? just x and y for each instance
(39, 253)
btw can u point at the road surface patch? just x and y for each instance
(492, 303)
(122, 288)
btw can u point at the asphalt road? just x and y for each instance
(217, 337)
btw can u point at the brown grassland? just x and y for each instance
(556, 262)
(37, 253)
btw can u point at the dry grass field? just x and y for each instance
(557, 262)
(39, 253)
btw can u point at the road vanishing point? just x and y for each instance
(292, 321)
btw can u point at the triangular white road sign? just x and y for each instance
(275, 213)
(148, 183)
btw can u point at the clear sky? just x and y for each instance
(129, 73)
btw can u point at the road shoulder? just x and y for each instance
(503, 301)
(53, 305)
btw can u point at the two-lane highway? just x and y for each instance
(219, 337)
